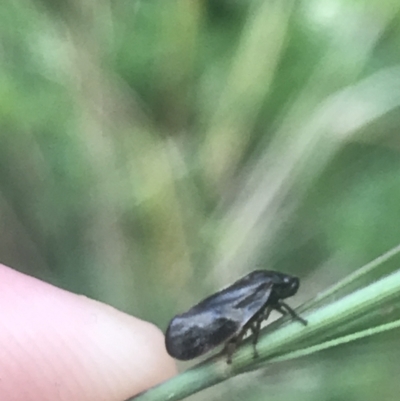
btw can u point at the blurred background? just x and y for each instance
(153, 151)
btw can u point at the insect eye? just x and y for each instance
(295, 284)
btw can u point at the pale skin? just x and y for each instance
(56, 345)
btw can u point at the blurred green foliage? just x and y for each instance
(152, 151)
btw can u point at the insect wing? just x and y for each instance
(217, 318)
(190, 336)
(240, 303)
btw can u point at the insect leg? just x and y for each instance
(255, 328)
(232, 344)
(285, 309)
(230, 349)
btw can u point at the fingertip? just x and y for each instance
(59, 345)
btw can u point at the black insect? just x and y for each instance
(227, 315)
